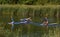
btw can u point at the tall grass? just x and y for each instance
(22, 11)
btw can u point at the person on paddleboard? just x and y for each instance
(45, 20)
(27, 20)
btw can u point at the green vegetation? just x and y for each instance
(17, 11)
(36, 12)
(26, 11)
(37, 9)
(30, 2)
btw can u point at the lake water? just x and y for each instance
(28, 30)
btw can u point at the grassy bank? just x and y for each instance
(35, 11)
(29, 9)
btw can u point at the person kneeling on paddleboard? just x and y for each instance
(45, 21)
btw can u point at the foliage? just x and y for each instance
(30, 2)
(21, 11)
(28, 10)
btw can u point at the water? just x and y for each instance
(28, 30)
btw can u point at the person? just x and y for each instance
(12, 19)
(26, 20)
(45, 21)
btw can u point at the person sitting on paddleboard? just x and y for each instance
(45, 21)
(27, 20)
